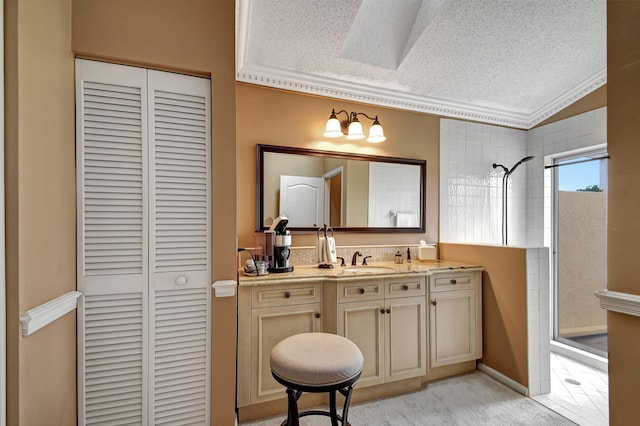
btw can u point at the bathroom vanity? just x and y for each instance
(413, 323)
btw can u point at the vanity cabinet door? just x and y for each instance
(406, 338)
(363, 324)
(453, 327)
(270, 326)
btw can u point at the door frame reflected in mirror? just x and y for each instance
(262, 150)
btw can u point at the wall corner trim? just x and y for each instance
(624, 303)
(36, 318)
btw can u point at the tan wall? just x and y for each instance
(40, 177)
(275, 117)
(623, 71)
(594, 100)
(582, 255)
(504, 305)
(41, 38)
(196, 37)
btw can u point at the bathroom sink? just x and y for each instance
(367, 269)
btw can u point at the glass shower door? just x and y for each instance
(580, 245)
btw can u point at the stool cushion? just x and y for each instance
(316, 359)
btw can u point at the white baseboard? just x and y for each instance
(507, 381)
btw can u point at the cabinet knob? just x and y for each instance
(317, 314)
(181, 280)
(361, 290)
(405, 287)
(434, 303)
(388, 310)
(287, 295)
(382, 310)
(453, 281)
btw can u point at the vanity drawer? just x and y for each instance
(452, 281)
(279, 295)
(405, 287)
(361, 290)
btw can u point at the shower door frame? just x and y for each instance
(557, 159)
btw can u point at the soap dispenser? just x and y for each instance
(397, 259)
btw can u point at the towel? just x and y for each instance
(331, 255)
(322, 249)
(407, 220)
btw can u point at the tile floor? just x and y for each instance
(469, 399)
(586, 403)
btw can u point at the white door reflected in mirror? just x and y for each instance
(302, 200)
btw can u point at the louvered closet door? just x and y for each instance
(111, 158)
(180, 250)
(143, 245)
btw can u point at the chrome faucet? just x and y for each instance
(354, 259)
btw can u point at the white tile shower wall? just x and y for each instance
(538, 320)
(393, 188)
(471, 190)
(581, 131)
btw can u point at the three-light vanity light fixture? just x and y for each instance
(352, 128)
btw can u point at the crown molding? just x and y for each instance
(254, 73)
(340, 89)
(581, 90)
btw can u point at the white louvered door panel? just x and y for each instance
(111, 157)
(180, 250)
(113, 372)
(144, 246)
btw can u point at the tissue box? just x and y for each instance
(427, 252)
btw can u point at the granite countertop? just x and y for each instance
(355, 273)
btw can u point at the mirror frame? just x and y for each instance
(261, 150)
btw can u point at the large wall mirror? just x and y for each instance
(348, 192)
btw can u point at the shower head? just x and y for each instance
(507, 171)
(524, 160)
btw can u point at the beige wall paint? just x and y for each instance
(594, 100)
(275, 117)
(623, 73)
(200, 39)
(40, 200)
(504, 304)
(194, 37)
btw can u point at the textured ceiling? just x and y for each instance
(508, 62)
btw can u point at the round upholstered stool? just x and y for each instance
(316, 362)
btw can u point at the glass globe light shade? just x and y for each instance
(376, 133)
(332, 129)
(355, 131)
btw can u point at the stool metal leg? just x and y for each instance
(345, 408)
(295, 391)
(292, 411)
(332, 408)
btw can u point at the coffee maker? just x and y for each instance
(277, 244)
